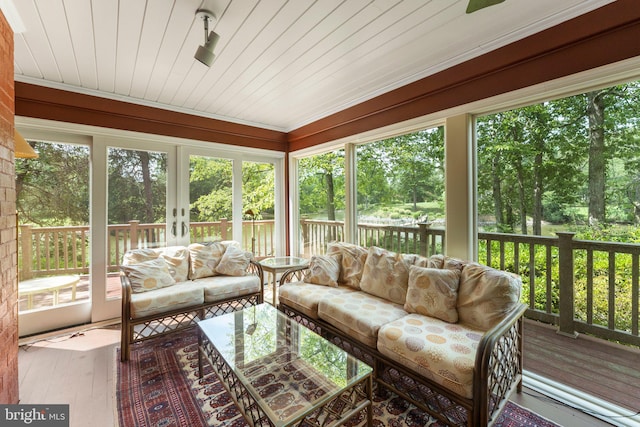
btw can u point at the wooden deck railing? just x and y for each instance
(581, 286)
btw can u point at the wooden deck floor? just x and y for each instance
(606, 370)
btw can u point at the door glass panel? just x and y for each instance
(258, 189)
(52, 198)
(210, 199)
(137, 205)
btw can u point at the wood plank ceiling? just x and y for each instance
(279, 64)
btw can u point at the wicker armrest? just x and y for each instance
(498, 366)
(295, 274)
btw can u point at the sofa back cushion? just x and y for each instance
(324, 270)
(433, 292)
(176, 257)
(205, 259)
(353, 258)
(486, 295)
(136, 256)
(148, 275)
(386, 275)
(234, 262)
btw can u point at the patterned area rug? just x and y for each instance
(159, 387)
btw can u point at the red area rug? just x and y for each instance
(159, 387)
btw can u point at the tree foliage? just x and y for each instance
(54, 189)
(570, 161)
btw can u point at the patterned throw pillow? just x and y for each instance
(177, 258)
(486, 295)
(433, 292)
(136, 256)
(148, 275)
(353, 259)
(386, 275)
(324, 270)
(205, 259)
(234, 262)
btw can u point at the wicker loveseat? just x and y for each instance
(168, 289)
(442, 333)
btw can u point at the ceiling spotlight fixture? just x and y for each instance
(204, 53)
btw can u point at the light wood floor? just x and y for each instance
(77, 368)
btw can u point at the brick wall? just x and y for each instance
(8, 281)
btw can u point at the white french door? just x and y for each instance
(135, 190)
(134, 207)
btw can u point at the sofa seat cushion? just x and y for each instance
(360, 316)
(304, 297)
(180, 295)
(220, 288)
(442, 352)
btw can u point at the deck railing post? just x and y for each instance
(566, 278)
(424, 244)
(305, 238)
(25, 243)
(224, 223)
(133, 233)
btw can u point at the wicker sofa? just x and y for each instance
(443, 333)
(168, 289)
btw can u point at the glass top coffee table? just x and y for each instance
(280, 373)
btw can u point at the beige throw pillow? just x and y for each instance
(433, 292)
(385, 275)
(205, 259)
(324, 270)
(486, 295)
(352, 264)
(136, 256)
(177, 258)
(148, 275)
(234, 262)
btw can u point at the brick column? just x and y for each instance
(8, 246)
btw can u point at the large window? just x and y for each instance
(400, 183)
(399, 188)
(570, 165)
(321, 192)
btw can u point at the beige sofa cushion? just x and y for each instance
(353, 259)
(219, 288)
(205, 259)
(136, 256)
(324, 270)
(486, 295)
(234, 262)
(148, 275)
(177, 258)
(304, 297)
(386, 275)
(442, 352)
(178, 296)
(433, 292)
(360, 316)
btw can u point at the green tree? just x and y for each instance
(210, 189)
(53, 189)
(321, 182)
(137, 186)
